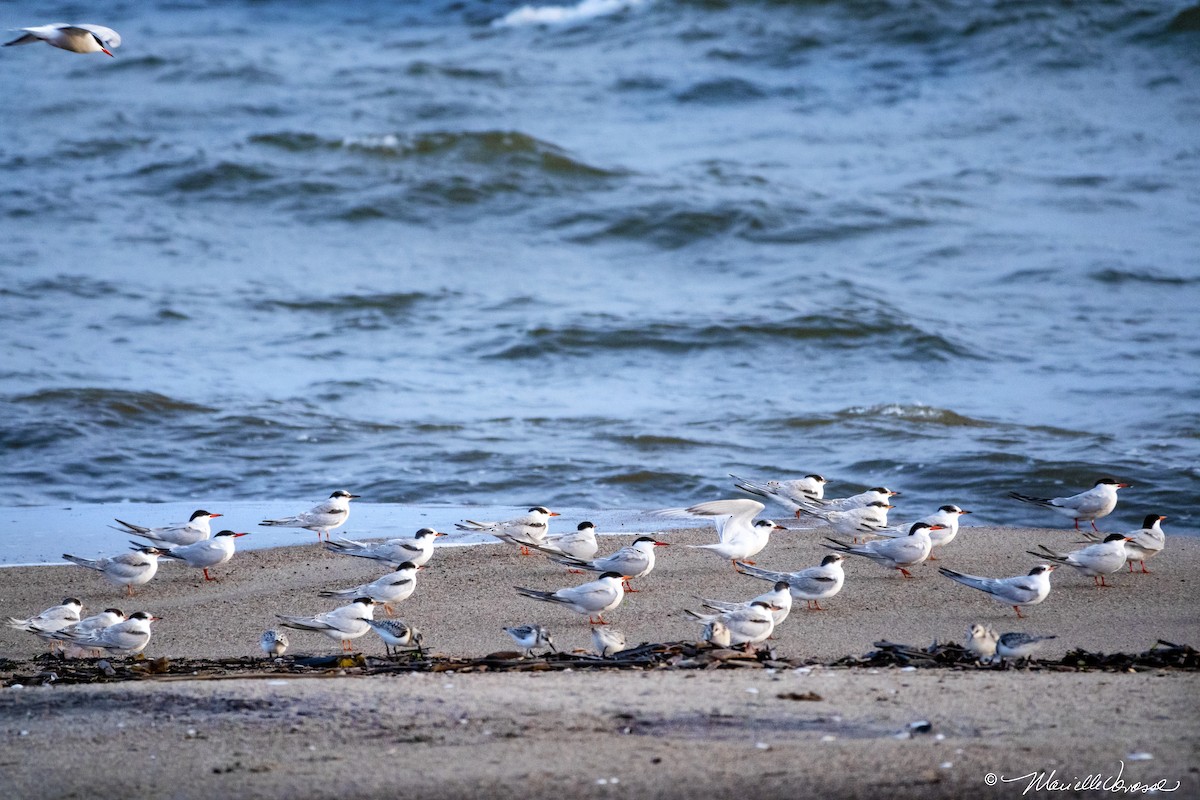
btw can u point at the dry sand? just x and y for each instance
(660, 734)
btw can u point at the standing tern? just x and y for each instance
(607, 642)
(194, 530)
(85, 627)
(342, 624)
(811, 585)
(894, 553)
(126, 569)
(274, 643)
(78, 38)
(593, 598)
(738, 536)
(862, 521)
(54, 618)
(393, 552)
(321, 518)
(528, 637)
(946, 516)
(878, 494)
(394, 587)
(632, 561)
(395, 634)
(981, 642)
(207, 553)
(525, 531)
(579, 543)
(1144, 543)
(128, 637)
(779, 598)
(746, 625)
(790, 493)
(1095, 560)
(1089, 506)
(1017, 591)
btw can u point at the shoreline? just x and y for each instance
(658, 733)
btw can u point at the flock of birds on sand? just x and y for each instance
(740, 537)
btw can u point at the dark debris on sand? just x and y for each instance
(50, 669)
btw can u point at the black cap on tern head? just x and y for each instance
(406, 565)
(612, 575)
(201, 513)
(584, 526)
(781, 586)
(69, 600)
(1112, 537)
(832, 558)
(1151, 520)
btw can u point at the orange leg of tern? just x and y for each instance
(574, 571)
(597, 621)
(1144, 570)
(129, 590)
(1019, 614)
(346, 646)
(628, 588)
(387, 609)
(814, 605)
(905, 572)
(524, 550)
(208, 577)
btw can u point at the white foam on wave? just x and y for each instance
(556, 15)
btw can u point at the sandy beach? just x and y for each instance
(593, 734)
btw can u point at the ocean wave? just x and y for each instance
(97, 404)
(506, 148)
(560, 15)
(902, 339)
(1117, 276)
(388, 304)
(677, 223)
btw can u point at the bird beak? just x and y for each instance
(662, 544)
(216, 515)
(439, 533)
(890, 506)
(1124, 485)
(106, 52)
(152, 617)
(240, 534)
(937, 527)
(555, 514)
(893, 494)
(964, 511)
(1053, 567)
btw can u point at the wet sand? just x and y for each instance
(659, 734)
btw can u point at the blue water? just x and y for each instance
(272, 249)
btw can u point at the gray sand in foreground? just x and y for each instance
(661, 734)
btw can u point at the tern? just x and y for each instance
(607, 641)
(128, 637)
(1144, 543)
(77, 38)
(788, 493)
(811, 585)
(593, 598)
(738, 536)
(894, 553)
(946, 516)
(779, 598)
(342, 624)
(205, 554)
(746, 625)
(1017, 591)
(632, 561)
(525, 532)
(54, 618)
(126, 569)
(1095, 560)
(393, 587)
(393, 552)
(274, 643)
(194, 530)
(321, 518)
(1089, 506)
